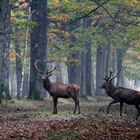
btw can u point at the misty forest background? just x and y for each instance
(83, 38)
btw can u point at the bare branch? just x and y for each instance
(117, 21)
(88, 14)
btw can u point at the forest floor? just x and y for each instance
(32, 120)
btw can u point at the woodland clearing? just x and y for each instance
(32, 120)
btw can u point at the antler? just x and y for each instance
(49, 72)
(115, 75)
(108, 77)
(35, 63)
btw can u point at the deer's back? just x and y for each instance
(63, 90)
(128, 96)
(75, 86)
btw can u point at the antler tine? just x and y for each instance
(35, 63)
(37, 60)
(51, 70)
(110, 74)
(106, 77)
(116, 74)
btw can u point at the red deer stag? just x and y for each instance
(59, 90)
(121, 94)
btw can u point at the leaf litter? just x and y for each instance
(35, 122)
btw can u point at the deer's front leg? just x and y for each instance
(113, 102)
(55, 99)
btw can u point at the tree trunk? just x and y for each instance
(83, 76)
(25, 89)
(101, 60)
(18, 67)
(5, 36)
(13, 81)
(88, 71)
(120, 56)
(108, 59)
(25, 56)
(1, 45)
(59, 72)
(38, 47)
(74, 70)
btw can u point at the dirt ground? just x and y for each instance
(33, 120)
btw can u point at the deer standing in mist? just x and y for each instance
(59, 90)
(121, 94)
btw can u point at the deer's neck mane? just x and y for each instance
(111, 89)
(47, 84)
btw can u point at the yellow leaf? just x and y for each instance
(55, 1)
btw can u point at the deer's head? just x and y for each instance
(108, 80)
(45, 75)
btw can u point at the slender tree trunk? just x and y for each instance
(25, 89)
(83, 76)
(120, 56)
(13, 81)
(38, 47)
(108, 61)
(25, 56)
(18, 67)
(113, 63)
(18, 71)
(93, 71)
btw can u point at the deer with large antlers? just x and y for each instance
(59, 90)
(121, 94)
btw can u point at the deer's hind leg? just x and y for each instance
(121, 107)
(138, 109)
(55, 99)
(76, 105)
(72, 93)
